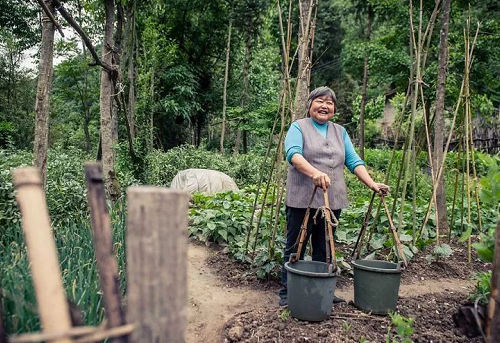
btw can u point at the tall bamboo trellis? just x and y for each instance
(420, 40)
(275, 183)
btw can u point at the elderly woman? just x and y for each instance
(317, 151)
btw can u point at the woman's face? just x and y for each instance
(322, 109)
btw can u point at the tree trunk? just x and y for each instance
(304, 66)
(363, 89)
(42, 102)
(131, 69)
(84, 92)
(244, 92)
(439, 118)
(224, 94)
(106, 100)
(116, 53)
(151, 115)
(493, 320)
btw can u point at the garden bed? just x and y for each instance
(432, 314)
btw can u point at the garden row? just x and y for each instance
(223, 218)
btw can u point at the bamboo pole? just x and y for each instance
(103, 243)
(455, 190)
(44, 264)
(474, 175)
(156, 241)
(467, 141)
(440, 170)
(431, 165)
(411, 133)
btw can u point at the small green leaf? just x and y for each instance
(223, 234)
(466, 234)
(405, 238)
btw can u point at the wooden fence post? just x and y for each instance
(103, 243)
(3, 334)
(493, 320)
(52, 304)
(156, 264)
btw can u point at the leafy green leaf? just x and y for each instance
(466, 234)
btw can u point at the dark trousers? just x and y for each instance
(294, 219)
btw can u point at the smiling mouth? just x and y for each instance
(323, 112)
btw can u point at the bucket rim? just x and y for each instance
(397, 270)
(289, 268)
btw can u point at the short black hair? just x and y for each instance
(321, 91)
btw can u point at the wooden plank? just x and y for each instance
(52, 305)
(493, 320)
(103, 246)
(156, 263)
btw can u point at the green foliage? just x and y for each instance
(403, 328)
(440, 252)
(162, 167)
(67, 205)
(225, 218)
(65, 190)
(285, 315)
(73, 237)
(490, 196)
(222, 218)
(482, 290)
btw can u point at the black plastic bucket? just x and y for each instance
(310, 290)
(376, 285)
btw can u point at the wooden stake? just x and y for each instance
(328, 224)
(493, 320)
(103, 243)
(3, 334)
(52, 304)
(397, 242)
(156, 264)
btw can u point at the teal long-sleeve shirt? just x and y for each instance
(294, 144)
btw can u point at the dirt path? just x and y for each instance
(212, 303)
(421, 288)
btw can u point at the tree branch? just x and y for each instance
(49, 14)
(59, 7)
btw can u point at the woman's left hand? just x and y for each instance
(381, 189)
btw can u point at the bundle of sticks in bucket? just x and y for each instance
(360, 240)
(156, 222)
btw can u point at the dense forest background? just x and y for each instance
(172, 54)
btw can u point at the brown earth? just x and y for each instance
(227, 300)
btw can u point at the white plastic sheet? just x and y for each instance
(203, 180)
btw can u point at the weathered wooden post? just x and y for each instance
(3, 334)
(103, 244)
(493, 320)
(156, 264)
(52, 303)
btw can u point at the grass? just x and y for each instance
(78, 270)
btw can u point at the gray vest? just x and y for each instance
(326, 155)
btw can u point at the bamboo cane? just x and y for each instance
(52, 305)
(328, 224)
(397, 241)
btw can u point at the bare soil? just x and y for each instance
(227, 303)
(212, 301)
(432, 314)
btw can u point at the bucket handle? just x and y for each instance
(400, 255)
(330, 245)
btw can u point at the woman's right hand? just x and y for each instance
(321, 179)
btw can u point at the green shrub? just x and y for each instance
(163, 166)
